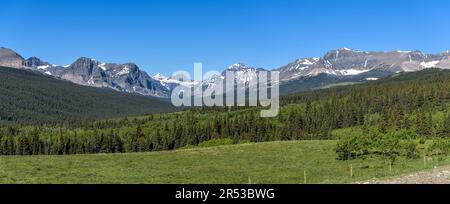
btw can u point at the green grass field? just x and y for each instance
(274, 162)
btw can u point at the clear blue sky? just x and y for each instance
(168, 35)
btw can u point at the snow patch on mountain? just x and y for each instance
(124, 71)
(403, 51)
(351, 72)
(159, 76)
(102, 66)
(44, 67)
(372, 79)
(429, 64)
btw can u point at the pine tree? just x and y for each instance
(445, 132)
(424, 123)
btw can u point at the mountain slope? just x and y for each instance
(27, 96)
(323, 80)
(10, 58)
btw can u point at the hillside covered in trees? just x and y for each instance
(31, 97)
(410, 104)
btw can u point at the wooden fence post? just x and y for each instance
(351, 170)
(304, 176)
(390, 166)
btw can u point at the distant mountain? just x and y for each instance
(30, 97)
(349, 62)
(242, 73)
(43, 67)
(335, 67)
(121, 77)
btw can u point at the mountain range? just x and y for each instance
(337, 66)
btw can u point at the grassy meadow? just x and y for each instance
(258, 163)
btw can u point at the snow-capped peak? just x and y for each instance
(159, 76)
(237, 66)
(346, 49)
(403, 51)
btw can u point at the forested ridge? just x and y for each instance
(31, 97)
(413, 104)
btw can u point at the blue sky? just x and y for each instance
(169, 35)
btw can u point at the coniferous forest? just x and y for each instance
(404, 106)
(33, 98)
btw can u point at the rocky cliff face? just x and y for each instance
(36, 62)
(86, 71)
(122, 77)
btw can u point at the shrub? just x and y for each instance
(352, 146)
(388, 146)
(406, 134)
(439, 147)
(411, 150)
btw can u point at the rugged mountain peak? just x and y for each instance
(5, 51)
(237, 67)
(85, 61)
(83, 65)
(242, 73)
(36, 62)
(123, 70)
(160, 77)
(297, 66)
(344, 49)
(241, 67)
(9, 58)
(335, 55)
(402, 51)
